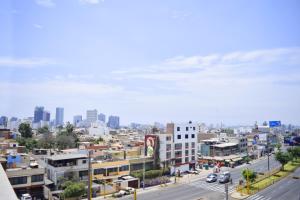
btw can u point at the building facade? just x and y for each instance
(91, 115)
(113, 122)
(59, 118)
(101, 117)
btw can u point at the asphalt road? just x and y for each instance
(286, 189)
(199, 189)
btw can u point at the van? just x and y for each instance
(224, 177)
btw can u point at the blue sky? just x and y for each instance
(234, 62)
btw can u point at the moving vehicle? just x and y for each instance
(225, 177)
(211, 178)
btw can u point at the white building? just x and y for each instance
(179, 146)
(98, 129)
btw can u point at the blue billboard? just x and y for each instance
(274, 123)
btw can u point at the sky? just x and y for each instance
(234, 62)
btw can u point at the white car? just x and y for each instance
(26, 197)
(129, 190)
(120, 193)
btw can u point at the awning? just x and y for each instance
(236, 159)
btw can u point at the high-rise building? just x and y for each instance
(46, 116)
(38, 114)
(77, 119)
(101, 117)
(91, 115)
(113, 122)
(59, 118)
(3, 121)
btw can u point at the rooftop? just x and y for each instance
(228, 144)
(66, 156)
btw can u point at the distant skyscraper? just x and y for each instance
(77, 119)
(38, 114)
(91, 115)
(113, 122)
(3, 121)
(59, 118)
(101, 117)
(46, 116)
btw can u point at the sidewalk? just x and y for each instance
(185, 179)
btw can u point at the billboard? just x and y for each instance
(150, 145)
(274, 123)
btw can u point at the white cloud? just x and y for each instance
(90, 1)
(24, 62)
(219, 66)
(38, 26)
(45, 3)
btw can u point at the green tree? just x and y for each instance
(74, 190)
(283, 158)
(29, 143)
(64, 141)
(47, 141)
(43, 130)
(25, 130)
(69, 128)
(249, 174)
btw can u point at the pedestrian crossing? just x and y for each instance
(258, 197)
(213, 186)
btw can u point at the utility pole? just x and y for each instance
(144, 173)
(226, 191)
(268, 154)
(89, 195)
(248, 186)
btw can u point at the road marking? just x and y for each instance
(258, 197)
(213, 186)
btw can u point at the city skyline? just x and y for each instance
(233, 62)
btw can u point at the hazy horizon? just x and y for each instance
(233, 62)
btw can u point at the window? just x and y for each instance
(193, 144)
(124, 168)
(178, 137)
(18, 180)
(112, 170)
(37, 178)
(193, 135)
(168, 155)
(187, 128)
(193, 151)
(178, 154)
(187, 159)
(178, 146)
(186, 136)
(186, 145)
(193, 158)
(83, 161)
(99, 171)
(186, 152)
(168, 138)
(168, 147)
(83, 173)
(178, 128)
(194, 128)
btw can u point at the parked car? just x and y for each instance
(225, 177)
(119, 194)
(211, 178)
(129, 190)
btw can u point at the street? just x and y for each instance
(199, 189)
(287, 188)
